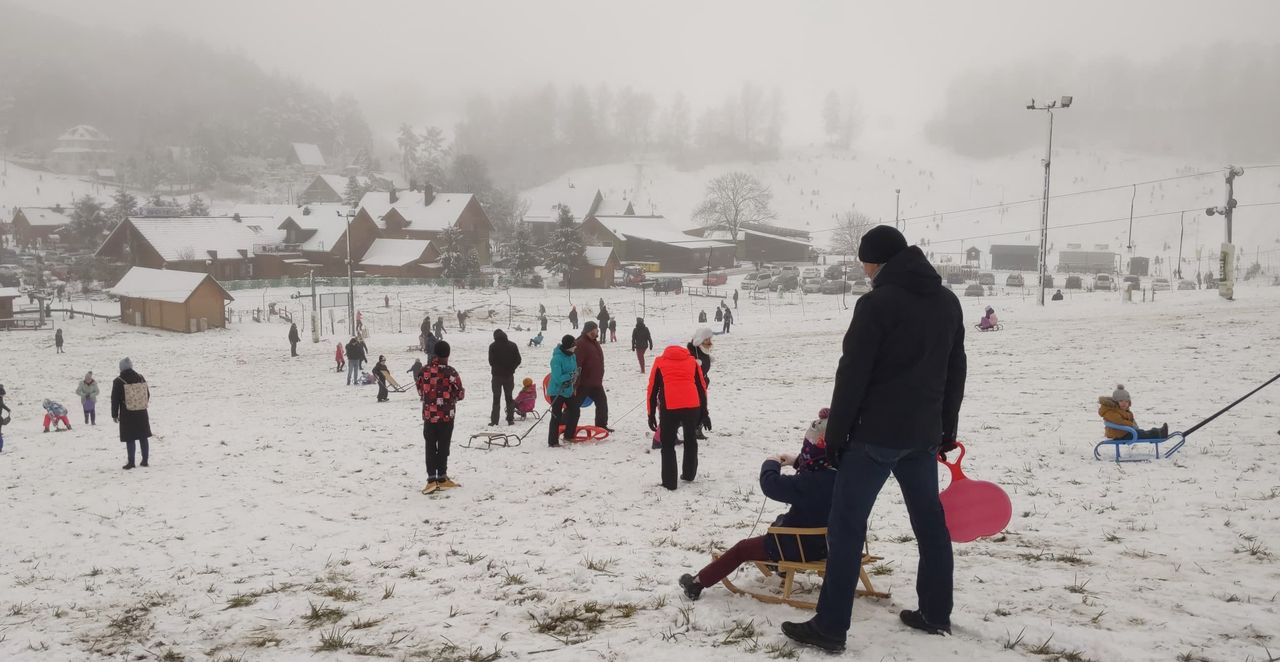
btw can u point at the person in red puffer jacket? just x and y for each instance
(677, 389)
(441, 390)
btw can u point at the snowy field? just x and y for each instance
(281, 514)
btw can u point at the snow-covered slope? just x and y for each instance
(282, 510)
(812, 186)
(23, 187)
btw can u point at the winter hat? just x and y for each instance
(880, 244)
(589, 327)
(824, 413)
(2, 391)
(817, 432)
(126, 364)
(442, 349)
(499, 334)
(46, 403)
(566, 343)
(702, 335)
(88, 376)
(527, 382)
(1120, 394)
(813, 456)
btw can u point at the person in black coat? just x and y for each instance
(135, 424)
(809, 492)
(57, 340)
(425, 328)
(3, 409)
(357, 353)
(504, 358)
(380, 371)
(641, 341)
(294, 339)
(894, 409)
(573, 316)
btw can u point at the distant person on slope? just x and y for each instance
(55, 413)
(527, 399)
(441, 389)
(1057, 296)
(989, 320)
(130, 397)
(88, 391)
(340, 358)
(57, 340)
(357, 353)
(294, 339)
(573, 316)
(603, 319)
(4, 420)
(728, 319)
(380, 372)
(613, 329)
(642, 341)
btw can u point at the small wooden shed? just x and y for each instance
(183, 301)
(7, 295)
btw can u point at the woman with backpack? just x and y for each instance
(130, 396)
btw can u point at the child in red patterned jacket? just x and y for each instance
(441, 389)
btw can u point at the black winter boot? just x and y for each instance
(692, 589)
(915, 619)
(807, 633)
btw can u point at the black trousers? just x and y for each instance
(598, 397)
(502, 384)
(671, 420)
(438, 436)
(293, 348)
(560, 407)
(382, 387)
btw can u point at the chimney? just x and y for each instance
(236, 216)
(391, 195)
(428, 194)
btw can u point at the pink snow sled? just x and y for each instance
(973, 508)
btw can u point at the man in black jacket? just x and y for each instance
(641, 341)
(504, 358)
(894, 409)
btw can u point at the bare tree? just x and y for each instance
(850, 226)
(733, 200)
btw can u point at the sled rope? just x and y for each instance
(1224, 410)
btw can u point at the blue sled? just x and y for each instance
(1177, 438)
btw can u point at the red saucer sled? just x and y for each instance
(974, 508)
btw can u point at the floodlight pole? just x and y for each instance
(897, 205)
(1044, 207)
(351, 288)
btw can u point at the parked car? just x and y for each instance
(955, 278)
(1160, 285)
(986, 279)
(1132, 282)
(812, 285)
(811, 272)
(1185, 284)
(715, 278)
(974, 290)
(757, 281)
(859, 284)
(836, 286)
(668, 284)
(1014, 280)
(834, 272)
(785, 283)
(1075, 283)
(1103, 282)
(788, 270)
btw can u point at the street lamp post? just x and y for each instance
(897, 205)
(1064, 102)
(351, 288)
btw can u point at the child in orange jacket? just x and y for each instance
(1115, 409)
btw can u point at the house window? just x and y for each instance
(597, 274)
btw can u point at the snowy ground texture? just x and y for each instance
(281, 517)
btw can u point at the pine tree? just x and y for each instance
(197, 207)
(351, 197)
(455, 254)
(521, 253)
(88, 223)
(125, 205)
(565, 249)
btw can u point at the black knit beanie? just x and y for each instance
(566, 342)
(442, 349)
(880, 244)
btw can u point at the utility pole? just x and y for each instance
(1182, 229)
(897, 206)
(1227, 257)
(351, 288)
(1065, 102)
(315, 312)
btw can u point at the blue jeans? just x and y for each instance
(863, 471)
(353, 372)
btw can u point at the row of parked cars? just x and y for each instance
(1105, 282)
(835, 279)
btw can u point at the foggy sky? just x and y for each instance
(416, 61)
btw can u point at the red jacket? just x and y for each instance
(590, 363)
(676, 381)
(441, 389)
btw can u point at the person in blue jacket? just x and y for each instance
(564, 373)
(808, 491)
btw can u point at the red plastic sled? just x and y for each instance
(586, 402)
(587, 433)
(974, 508)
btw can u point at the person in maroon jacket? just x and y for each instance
(590, 379)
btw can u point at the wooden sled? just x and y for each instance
(502, 439)
(392, 384)
(788, 570)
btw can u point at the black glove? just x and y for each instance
(948, 444)
(653, 421)
(706, 421)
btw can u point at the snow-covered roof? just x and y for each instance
(84, 132)
(394, 252)
(44, 217)
(598, 256)
(441, 214)
(327, 222)
(204, 237)
(378, 203)
(656, 229)
(162, 285)
(544, 205)
(278, 213)
(105, 173)
(308, 155)
(766, 235)
(610, 207)
(9, 292)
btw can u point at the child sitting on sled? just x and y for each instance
(988, 321)
(536, 341)
(808, 491)
(1115, 409)
(527, 398)
(55, 413)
